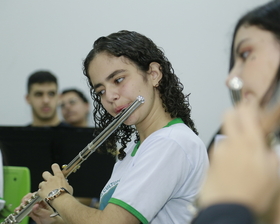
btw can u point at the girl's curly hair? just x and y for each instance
(141, 51)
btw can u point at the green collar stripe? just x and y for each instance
(132, 210)
(174, 121)
(135, 149)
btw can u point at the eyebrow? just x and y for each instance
(239, 45)
(111, 76)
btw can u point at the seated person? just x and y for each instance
(74, 107)
(42, 96)
(157, 177)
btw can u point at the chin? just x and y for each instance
(129, 121)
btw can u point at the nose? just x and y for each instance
(112, 95)
(46, 98)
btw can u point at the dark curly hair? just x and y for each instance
(141, 51)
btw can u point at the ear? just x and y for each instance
(88, 108)
(27, 98)
(155, 73)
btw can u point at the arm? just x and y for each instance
(74, 212)
(71, 211)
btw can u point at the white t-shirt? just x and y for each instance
(159, 181)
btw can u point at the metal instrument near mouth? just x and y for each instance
(139, 100)
(273, 96)
(235, 86)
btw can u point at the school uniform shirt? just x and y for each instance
(159, 179)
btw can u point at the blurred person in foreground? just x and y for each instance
(242, 185)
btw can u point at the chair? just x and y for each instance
(16, 185)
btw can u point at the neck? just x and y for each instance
(41, 123)
(82, 123)
(155, 121)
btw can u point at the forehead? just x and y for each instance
(105, 64)
(253, 33)
(43, 87)
(69, 95)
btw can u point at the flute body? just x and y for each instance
(75, 164)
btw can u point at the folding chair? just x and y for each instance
(16, 185)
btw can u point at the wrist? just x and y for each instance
(54, 194)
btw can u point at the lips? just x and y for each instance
(46, 109)
(120, 108)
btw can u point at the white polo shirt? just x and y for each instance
(159, 181)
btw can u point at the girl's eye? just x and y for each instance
(244, 54)
(100, 93)
(119, 80)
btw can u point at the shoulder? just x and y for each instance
(176, 141)
(180, 134)
(63, 124)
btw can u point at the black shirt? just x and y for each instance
(225, 214)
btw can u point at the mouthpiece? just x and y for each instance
(235, 86)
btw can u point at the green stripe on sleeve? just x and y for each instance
(132, 210)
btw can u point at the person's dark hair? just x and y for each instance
(266, 17)
(141, 51)
(78, 92)
(41, 77)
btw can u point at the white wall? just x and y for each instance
(57, 35)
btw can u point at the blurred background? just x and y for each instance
(56, 35)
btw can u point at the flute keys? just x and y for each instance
(76, 168)
(33, 196)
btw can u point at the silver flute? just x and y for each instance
(235, 86)
(75, 164)
(270, 100)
